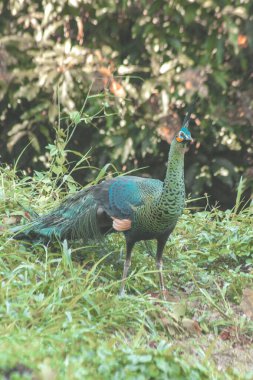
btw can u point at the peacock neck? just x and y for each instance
(175, 166)
(173, 195)
(162, 213)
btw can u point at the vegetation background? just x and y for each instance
(146, 59)
(90, 88)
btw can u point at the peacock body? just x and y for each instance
(141, 208)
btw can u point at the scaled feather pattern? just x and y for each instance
(151, 208)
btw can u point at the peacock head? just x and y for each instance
(184, 135)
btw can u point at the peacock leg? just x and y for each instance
(159, 261)
(127, 264)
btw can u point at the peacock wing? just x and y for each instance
(119, 197)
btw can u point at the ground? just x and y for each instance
(62, 318)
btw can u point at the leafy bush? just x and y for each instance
(144, 61)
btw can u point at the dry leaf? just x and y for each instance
(165, 293)
(171, 326)
(191, 326)
(80, 27)
(153, 344)
(247, 302)
(228, 333)
(105, 72)
(27, 215)
(165, 321)
(9, 220)
(188, 85)
(117, 89)
(242, 41)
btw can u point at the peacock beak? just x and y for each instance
(189, 139)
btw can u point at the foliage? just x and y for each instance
(61, 316)
(144, 60)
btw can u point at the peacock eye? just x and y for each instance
(181, 137)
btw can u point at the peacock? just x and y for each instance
(141, 208)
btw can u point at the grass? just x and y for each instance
(61, 317)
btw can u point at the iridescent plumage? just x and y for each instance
(153, 208)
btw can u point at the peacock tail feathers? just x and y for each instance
(75, 218)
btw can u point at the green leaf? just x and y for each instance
(75, 117)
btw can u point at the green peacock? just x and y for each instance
(141, 208)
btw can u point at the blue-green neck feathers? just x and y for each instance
(163, 211)
(173, 195)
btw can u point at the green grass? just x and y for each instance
(61, 317)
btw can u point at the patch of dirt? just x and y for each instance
(224, 353)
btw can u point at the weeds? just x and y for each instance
(61, 317)
(60, 312)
